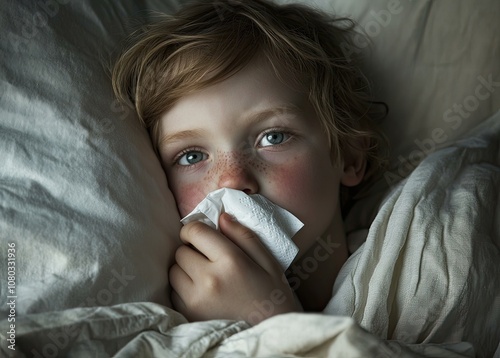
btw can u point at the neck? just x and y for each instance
(313, 276)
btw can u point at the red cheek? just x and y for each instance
(187, 196)
(291, 180)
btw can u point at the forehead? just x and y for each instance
(255, 87)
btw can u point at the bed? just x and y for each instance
(88, 221)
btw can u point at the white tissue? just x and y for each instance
(272, 224)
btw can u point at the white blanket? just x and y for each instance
(429, 270)
(425, 282)
(149, 330)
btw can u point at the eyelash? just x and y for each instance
(287, 133)
(276, 130)
(185, 151)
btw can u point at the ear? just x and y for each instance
(354, 166)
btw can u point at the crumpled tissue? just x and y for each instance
(273, 225)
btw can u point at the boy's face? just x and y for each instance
(252, 133)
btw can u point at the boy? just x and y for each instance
(256, 97)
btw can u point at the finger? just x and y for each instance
(182, 287)
(179, 279)
(178, 303)
(208, 241)
(191, 260)
(249, 243)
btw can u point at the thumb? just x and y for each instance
(248, 242)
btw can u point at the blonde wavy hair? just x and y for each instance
(206, 42)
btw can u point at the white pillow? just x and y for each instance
(82, 194)
(435, 63)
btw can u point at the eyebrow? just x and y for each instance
(180, 136)
(260, 116)
(252, 119)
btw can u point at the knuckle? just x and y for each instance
(212, 284)
(231, 263)
(194, 228)
(181, 250)
(235, 264)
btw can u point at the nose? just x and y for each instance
(237, 173)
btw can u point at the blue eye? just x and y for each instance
(191, 157)
(273, 138)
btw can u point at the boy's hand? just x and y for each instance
(227, 275)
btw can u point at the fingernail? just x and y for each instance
(231, 217)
